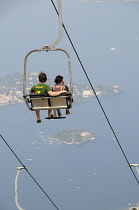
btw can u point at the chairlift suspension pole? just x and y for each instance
(60, 24)
(45, 48)
(16, 187)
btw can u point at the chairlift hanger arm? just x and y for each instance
(16, 187)
(51, 47)
(60, 24)
(136, 167)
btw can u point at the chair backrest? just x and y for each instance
(44, 102)
(58, 102)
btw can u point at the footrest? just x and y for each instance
(53, 118)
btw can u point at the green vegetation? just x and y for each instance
(73, 136)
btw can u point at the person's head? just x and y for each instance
(58, 79)
(42, 77)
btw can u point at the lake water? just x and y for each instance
(93, 175)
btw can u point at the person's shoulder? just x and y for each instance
(47, 85)
(33, 86)
(36, 85)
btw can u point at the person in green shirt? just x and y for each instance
(43, 88)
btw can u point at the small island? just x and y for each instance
(73, 136)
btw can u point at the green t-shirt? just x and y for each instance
(40, 88)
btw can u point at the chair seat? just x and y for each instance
(46, 102)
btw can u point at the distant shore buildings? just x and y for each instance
(11, 89)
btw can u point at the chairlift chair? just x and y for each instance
(44, 101)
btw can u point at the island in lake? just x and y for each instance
(73, 136)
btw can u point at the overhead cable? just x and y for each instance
(97, 97)
(29, 173)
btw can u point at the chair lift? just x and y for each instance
(44, 101)
(136, 206)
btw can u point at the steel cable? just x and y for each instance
(29, 172)
(96, 96)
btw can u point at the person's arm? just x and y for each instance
(51, 93)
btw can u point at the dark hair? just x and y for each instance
(42, 77)
(58, 79)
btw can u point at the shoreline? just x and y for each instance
(69, 143)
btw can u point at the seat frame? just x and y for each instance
(46, 102)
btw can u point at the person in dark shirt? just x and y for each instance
(60, 86)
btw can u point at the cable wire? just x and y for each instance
(29, 173)
(97, 97)
(102, 111)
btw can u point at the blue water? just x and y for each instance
(93, 175)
